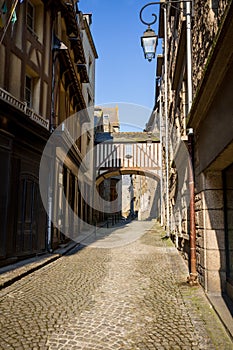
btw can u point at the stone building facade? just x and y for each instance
(74, 88)
(209, 149)
(107, 119)
(47, 60)
(211, 119)
(24, 127)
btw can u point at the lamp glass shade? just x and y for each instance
(149, 43)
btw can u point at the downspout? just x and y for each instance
(192, 278)
(51, 162)
(166, 121)
(50, 207)
(189, 55)
(161, 156)
(54, 51)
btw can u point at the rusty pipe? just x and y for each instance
(192, 278)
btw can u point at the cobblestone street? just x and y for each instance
(131, 297)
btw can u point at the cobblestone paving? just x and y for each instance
(129, 298)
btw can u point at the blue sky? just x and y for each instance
(122, 73)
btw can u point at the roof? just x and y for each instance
(126, 137)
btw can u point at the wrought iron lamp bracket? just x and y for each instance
(162, 4)
(153, 14)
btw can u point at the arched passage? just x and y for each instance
(126, 171)
(144, 196)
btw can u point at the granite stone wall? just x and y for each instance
(207, 19)
(208, 16)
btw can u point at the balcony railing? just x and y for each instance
(22, 106)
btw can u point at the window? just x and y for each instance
(129, 150)
(28, 91)
(90, 69)
(35, 18)
(30, 16)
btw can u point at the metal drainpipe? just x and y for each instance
(166, 121)
(161, 156)
(192, 278)
(50, 208)
(52, 161)
(189, 55)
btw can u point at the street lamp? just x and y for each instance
(149, 39)
(149, 42)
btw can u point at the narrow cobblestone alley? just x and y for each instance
(132, 297)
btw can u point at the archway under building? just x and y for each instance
(139, 192)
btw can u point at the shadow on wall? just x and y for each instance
(215, 235)
(228, 223)
(155, 211)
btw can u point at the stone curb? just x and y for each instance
(12, 273)
(224, 313)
